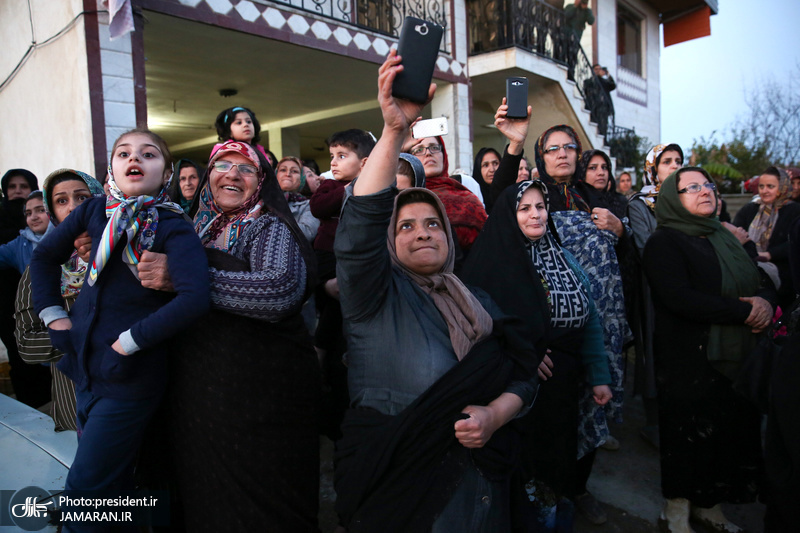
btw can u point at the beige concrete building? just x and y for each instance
(307, 68)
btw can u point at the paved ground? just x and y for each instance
(626, 481)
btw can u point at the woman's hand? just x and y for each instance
(84, 246)
(332, 288)
(475, 431)
(154, 272)
(602, 394)
(514, 129)
(398, 114)
(740, 233)
(117, 347)
(546, 367)
(380, 170)
(605, 219)
(764, 257)
(760, 314)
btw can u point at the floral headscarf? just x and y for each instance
(651, 187)
(221, 230)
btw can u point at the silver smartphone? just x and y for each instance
(430, 128)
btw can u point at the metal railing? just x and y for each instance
(540, 28)
(624, 146)
(381, 16)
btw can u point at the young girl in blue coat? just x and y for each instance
(114, 336)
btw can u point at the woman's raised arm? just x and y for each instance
(380, 170)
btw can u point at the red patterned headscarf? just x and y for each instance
(221, 230)
(465, 211)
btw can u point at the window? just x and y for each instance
(629, 40)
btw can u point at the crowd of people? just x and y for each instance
(462, 338)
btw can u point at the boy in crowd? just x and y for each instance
(349, 151)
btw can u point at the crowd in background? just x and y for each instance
(462, 338)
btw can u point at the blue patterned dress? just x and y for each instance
(594, 251)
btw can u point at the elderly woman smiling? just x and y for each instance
(245, 377)
(709, 303)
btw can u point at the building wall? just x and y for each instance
(645, 119)
(45, 107)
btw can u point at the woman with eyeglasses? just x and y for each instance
(768, 223)
(589, 231)
(465, 211)
(710, 302)
(244, 393)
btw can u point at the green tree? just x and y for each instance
(629, 150)
(732, 162)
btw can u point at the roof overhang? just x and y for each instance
(672, 9)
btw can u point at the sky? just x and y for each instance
(703, 81)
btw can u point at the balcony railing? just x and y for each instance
(381, 16)
(539, 28)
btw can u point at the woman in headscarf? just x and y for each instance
(426, 446)
(185, 184)
(661, 161)
(292, 180)
(486, 162)
(590, 230)
(710, 300)
(595, 181)
(768, 223)
(464, 209)
(245, 379)
(590, 233)
(594, 178)
(552, 296)
(64, 190)
(31, 384)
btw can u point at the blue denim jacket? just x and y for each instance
(398, 343)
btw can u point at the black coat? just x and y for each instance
(710, 449)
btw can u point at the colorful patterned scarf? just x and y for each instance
(649, 193)
(215, 228)
(137, 217)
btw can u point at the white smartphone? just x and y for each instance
(430, 128)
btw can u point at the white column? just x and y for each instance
(119, 103)
(452, 101)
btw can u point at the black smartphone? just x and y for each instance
(517, 97)
(418, 48)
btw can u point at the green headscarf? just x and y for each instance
(727, 343)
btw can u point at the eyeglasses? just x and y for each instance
(569, 147)
(432, 149)
(695, 188)
(244, 169)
